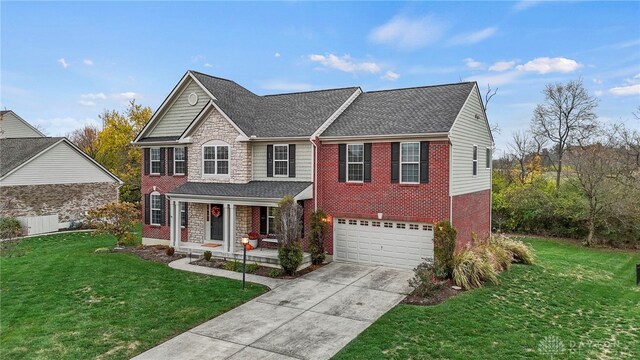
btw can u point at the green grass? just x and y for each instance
(586, 298)
(63, 301)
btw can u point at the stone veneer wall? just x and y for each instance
(197, 222)
(216, 127)
(69, 201)
(243, 224)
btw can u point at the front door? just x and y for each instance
(217, 223)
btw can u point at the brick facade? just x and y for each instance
(472, 213)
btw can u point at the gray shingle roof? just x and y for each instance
(15, 151)
(159, 138)
(283, 115)
(252, 189)
(430, 109)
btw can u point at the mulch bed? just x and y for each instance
(443, 294)
(154, 253)
(261, 271)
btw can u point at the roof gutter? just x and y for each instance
(381, 138)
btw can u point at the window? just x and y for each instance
(427, 227)
(375, 223)
(410, 162)
(414, 227)
(342, 221)
(475, 160)
(400, 226)
(353, 222)
(281, 160)
(488, 159)
(183, 214)
(156, 164)
(216, 159)
(388, 225)
(178, 161)
(271, 220)
(156, 209)
(355, 162)
(364, 223)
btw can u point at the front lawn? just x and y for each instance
(574, 303)
(62, 300)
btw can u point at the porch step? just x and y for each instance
(266, 258)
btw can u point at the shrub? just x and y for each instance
(444, 246)
(207, 255)
(170, 251)
(118, 219)
(471, 269)
(9, 227)
(518, 251)
(316, 237)
(290, 258)
(236, 265)
(251, 268)
(425, 279)
(496, 255)
(274, 273)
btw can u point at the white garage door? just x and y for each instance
(398, 244)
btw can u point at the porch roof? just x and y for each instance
(267, 190)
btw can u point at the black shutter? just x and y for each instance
(342, 162)
(395, 162)
(269, 160)
(162, 164)
(147, 208)
(186, 163)
(301, 203)
(292, 160)
(424, 162)
(186, 213)
(146, 159)
(162, 210)
(168, 212)
(170, 161)
(367, 162)
(263, 220)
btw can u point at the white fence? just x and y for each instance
(33, 225)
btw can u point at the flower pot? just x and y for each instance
(253, 243)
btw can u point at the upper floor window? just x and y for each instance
(155, 160)
(410, 162)
(281, 160)
(215, 159)
(179, 165)
(355, 162)
(156, 208)
(475, 160)
(488, 159)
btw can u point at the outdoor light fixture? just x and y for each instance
(245, 241)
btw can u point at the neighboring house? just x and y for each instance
(384, 165)
(47, 182)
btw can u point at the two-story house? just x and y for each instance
(384, 165)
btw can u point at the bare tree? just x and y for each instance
(565, 118)
(86, 139)
(487, 97)
(523, 147)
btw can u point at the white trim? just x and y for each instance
(305, 194)
(409, 162)
(174, 161)
(203, 116)
(209, 199)
(216, 144)
(337, 113)
(192, 99)
(347, 162)
(24, 121)
(151, 161)
(385, 138)
(151, 208)
(488, 158)
(474, 151)
(274, 160)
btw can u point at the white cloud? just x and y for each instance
(345, 63)
(597, 81)
(86, 102)
(408, 33)
(197, 58)
(129, 95)
(500, 66)
(88, 62)
(207, 65)
(94, 96)
(62, 126)
(277, 54)
(625, 90)
(474, 37)
(286, 86)
(525, 4)
(63, 62)
(390, 75)
(473, 64)
(90, 99)
(545, 65)
(495, 79)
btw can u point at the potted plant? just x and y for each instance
(253, 236)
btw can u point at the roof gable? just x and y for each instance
(13, 126)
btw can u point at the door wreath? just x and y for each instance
(215, 211)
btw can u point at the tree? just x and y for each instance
(288, 231)
(86, 139)
(316, 236)
(525, 150)
(117, 218)
(487, 97)
(565, 118)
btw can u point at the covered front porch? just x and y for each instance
(221, 214)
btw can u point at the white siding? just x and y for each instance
(180, 114)
(12, 127)
(304, 159)
(466, 132)
(59, 165)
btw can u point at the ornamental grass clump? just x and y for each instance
(519, 251)
(471, 269)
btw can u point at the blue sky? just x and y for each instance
(63, 63)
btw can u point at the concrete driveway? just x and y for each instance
(312, 317)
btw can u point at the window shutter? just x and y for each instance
(186, 162)
(367, 162)
(263, 220)
(342, 162)
(162, 210)
(292, 160)
(147, 207)
(146, 159)
(269, 160)
(168, 212)
(395, 162)
(424, 162)
(186, 212)
(170, 161)
(162, 164)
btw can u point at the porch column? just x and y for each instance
(177, 215)
(232, 228)
(172, 234)
(225, 228)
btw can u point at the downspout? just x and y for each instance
(450, 180)
(314, 169)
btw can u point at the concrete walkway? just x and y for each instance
(311, 317)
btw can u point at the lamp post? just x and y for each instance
(245, 241)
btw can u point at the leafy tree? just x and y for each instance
(316, 236)
(86, 139)
(117, 218)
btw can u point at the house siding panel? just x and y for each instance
(59, 165)
(12, 127)
(180, 114)
(304, 160)
(465, 133)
